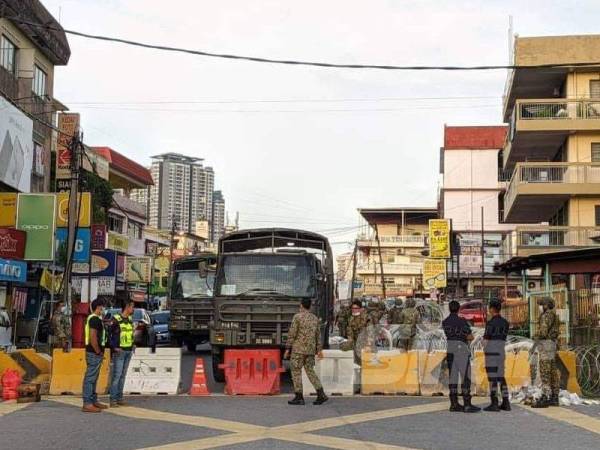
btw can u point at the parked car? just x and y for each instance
(474, 312)
(144, 334)
(160, 320)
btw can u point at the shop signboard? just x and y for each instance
(118, 242)
(104, 264)
(81, 253)
(439, 238)
(106, 285)
(12, 243)
(138, 269)
(62, 209)
(14, 271)
(8, 209)
(35, 216)
(16, 147)
(434, 273)
(68, 126)
(98, 237)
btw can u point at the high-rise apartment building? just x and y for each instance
(218, 216)
(182, 192)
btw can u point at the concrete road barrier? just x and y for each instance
(154, 373)
(336, 371)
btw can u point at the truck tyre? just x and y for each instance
(191, 346)
(218, 374)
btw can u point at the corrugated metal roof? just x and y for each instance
(125, 165)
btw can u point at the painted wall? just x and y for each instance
(471, 169)
(578, 84)
(464, 208)
(579, 146)
(582, 212)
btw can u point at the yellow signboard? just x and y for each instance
(138, 269)
(8, 209)
(439, 238)
(118, 242)
(434, 273)
(62, 209)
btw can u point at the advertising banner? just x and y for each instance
(106, 285)
(81, 252)
(118, 242)
(138, 269)
(16, 147)
(439, 238)
(49, 282)
(8, 209)
(12, 243)
(15, 271)
(160, 279)
(68, 125)
(62, 209)
(35, 216)
(104, 264)
(98, 237)
(434, 273)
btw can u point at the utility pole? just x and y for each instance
(354, 254)
(482, 251)
(171, 245)
(380, 260)
(73, 218)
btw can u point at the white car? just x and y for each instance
(5, 329)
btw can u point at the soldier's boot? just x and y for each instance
(541, 402)
(494, 405)
(297, 400)
(321, 397)
(554, 400)
(505, 406)
(469, 408)
(454, 405)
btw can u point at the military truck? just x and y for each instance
(261, 276)
(191, 301)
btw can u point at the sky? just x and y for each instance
(298, 146)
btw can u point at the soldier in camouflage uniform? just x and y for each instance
(547, 342)
(376, 310)
(359, 323)
(343, 318)
(304, 342)
(60, 325)
(394, 314)
(409, 319)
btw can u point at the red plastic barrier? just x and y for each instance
(11, 380)
(252, 371)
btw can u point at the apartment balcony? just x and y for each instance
(537, 190)
(389, 269)
(415, 241)
(539, 127)
(527, 240)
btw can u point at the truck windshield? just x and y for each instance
(187, 284)
(289, 275)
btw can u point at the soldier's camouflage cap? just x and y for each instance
(546, 301)
(411, 303)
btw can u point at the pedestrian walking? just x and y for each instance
(121, 344)
(95, 340)
(546, 339)
(60, 326)
(409, 319)
(458, 335)
(494, 342)
(303, 343)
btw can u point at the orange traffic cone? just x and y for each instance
(199, 386)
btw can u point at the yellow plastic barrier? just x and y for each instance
(431, 373)
(390, 372)
(479, 381)
(7, 362)
(516, 371)
(68, 369)
(568, 370)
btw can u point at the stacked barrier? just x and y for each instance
(152, 373)
(336, 371)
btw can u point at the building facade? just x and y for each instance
(217, 223)
(553, 145)
(402, 234)
(28, 57)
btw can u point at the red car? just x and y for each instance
(474, 312)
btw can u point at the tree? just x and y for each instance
(102, 195)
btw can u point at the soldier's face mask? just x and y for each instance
(63, 309)
(356, 311)
(541, 307)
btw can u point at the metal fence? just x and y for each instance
(558, 109)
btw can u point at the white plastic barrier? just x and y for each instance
(154, 373)
(336, 371)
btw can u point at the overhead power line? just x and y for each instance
(257, 59)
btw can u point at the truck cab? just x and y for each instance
(261, 277)
(191, 300)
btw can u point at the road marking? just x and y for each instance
(211, 442)
(334, 442)
(569, 416)
(8, 408)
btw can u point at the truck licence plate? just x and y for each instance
(264, 341)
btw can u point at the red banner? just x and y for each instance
(12, 243)
(19, 299)
(98, 237)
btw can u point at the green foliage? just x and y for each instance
(102, 195)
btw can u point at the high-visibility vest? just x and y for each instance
(125, 331)
(87, 331)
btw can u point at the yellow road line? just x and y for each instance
(569, 416)
(8, 408)
(211, 442)
(334, 442)
(331, 422)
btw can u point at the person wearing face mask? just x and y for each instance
(546, 339)
(60, 325)
(95, 340)
(359, 321)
